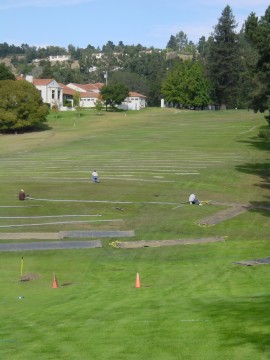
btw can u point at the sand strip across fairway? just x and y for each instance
(159, 243)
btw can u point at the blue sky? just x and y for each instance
(95, 22)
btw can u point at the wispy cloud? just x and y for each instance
(7, 4)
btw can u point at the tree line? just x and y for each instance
(229, 69)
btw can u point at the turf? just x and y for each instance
(194, 302)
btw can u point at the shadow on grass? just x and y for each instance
(261, 170)
(241, 321)
(37, 128)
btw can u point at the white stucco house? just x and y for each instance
(88, 99)
(89, 94)
(134, 101)
(57, 94)
(59, 58)
(50, 90)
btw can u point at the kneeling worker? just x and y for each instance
(21, 195)
(193, 200)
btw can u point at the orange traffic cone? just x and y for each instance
(54, 283)
(138, 282)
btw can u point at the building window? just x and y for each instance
(58, 94)
(53, 94)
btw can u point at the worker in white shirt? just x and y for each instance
(193, 200)
(95, 177)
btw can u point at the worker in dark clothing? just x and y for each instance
(21, 195)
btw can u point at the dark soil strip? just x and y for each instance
(95, 234)
(254, 262)
(56, 245)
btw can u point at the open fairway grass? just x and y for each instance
(194, 303)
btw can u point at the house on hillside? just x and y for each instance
(59, 58)
(134, 101)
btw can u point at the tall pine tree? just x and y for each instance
(223, 60)
(258, 33)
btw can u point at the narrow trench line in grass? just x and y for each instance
(60, 223)
(108, 201)
(45, 216)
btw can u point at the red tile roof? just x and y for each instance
(89, 95)
(133, 94)
(89, 87)
(67, 90)
(42, 81)
(99, 85)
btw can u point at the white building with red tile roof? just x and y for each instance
(58, 94)
(134, 101)
(88, 99)
(50, 90)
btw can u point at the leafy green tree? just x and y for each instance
(109, 47)
(182, 41)
(186, 85)
(47, 72)
(21, 106)
(114, 95)
(223, 60)
(172, 44)
(76, 102)
(151, 67)
(5, 73)
(134, 82)
(258, 33)
(99, 106)
(55, 110)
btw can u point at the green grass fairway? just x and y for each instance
(194, 303)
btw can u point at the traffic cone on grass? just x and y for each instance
(54, 283)
(138, 282)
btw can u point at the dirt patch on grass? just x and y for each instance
(29, 277)
(263, 261)
(159, 243)
(223, 215)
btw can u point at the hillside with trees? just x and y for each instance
(229, 69)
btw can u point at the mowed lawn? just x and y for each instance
(195, 302)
